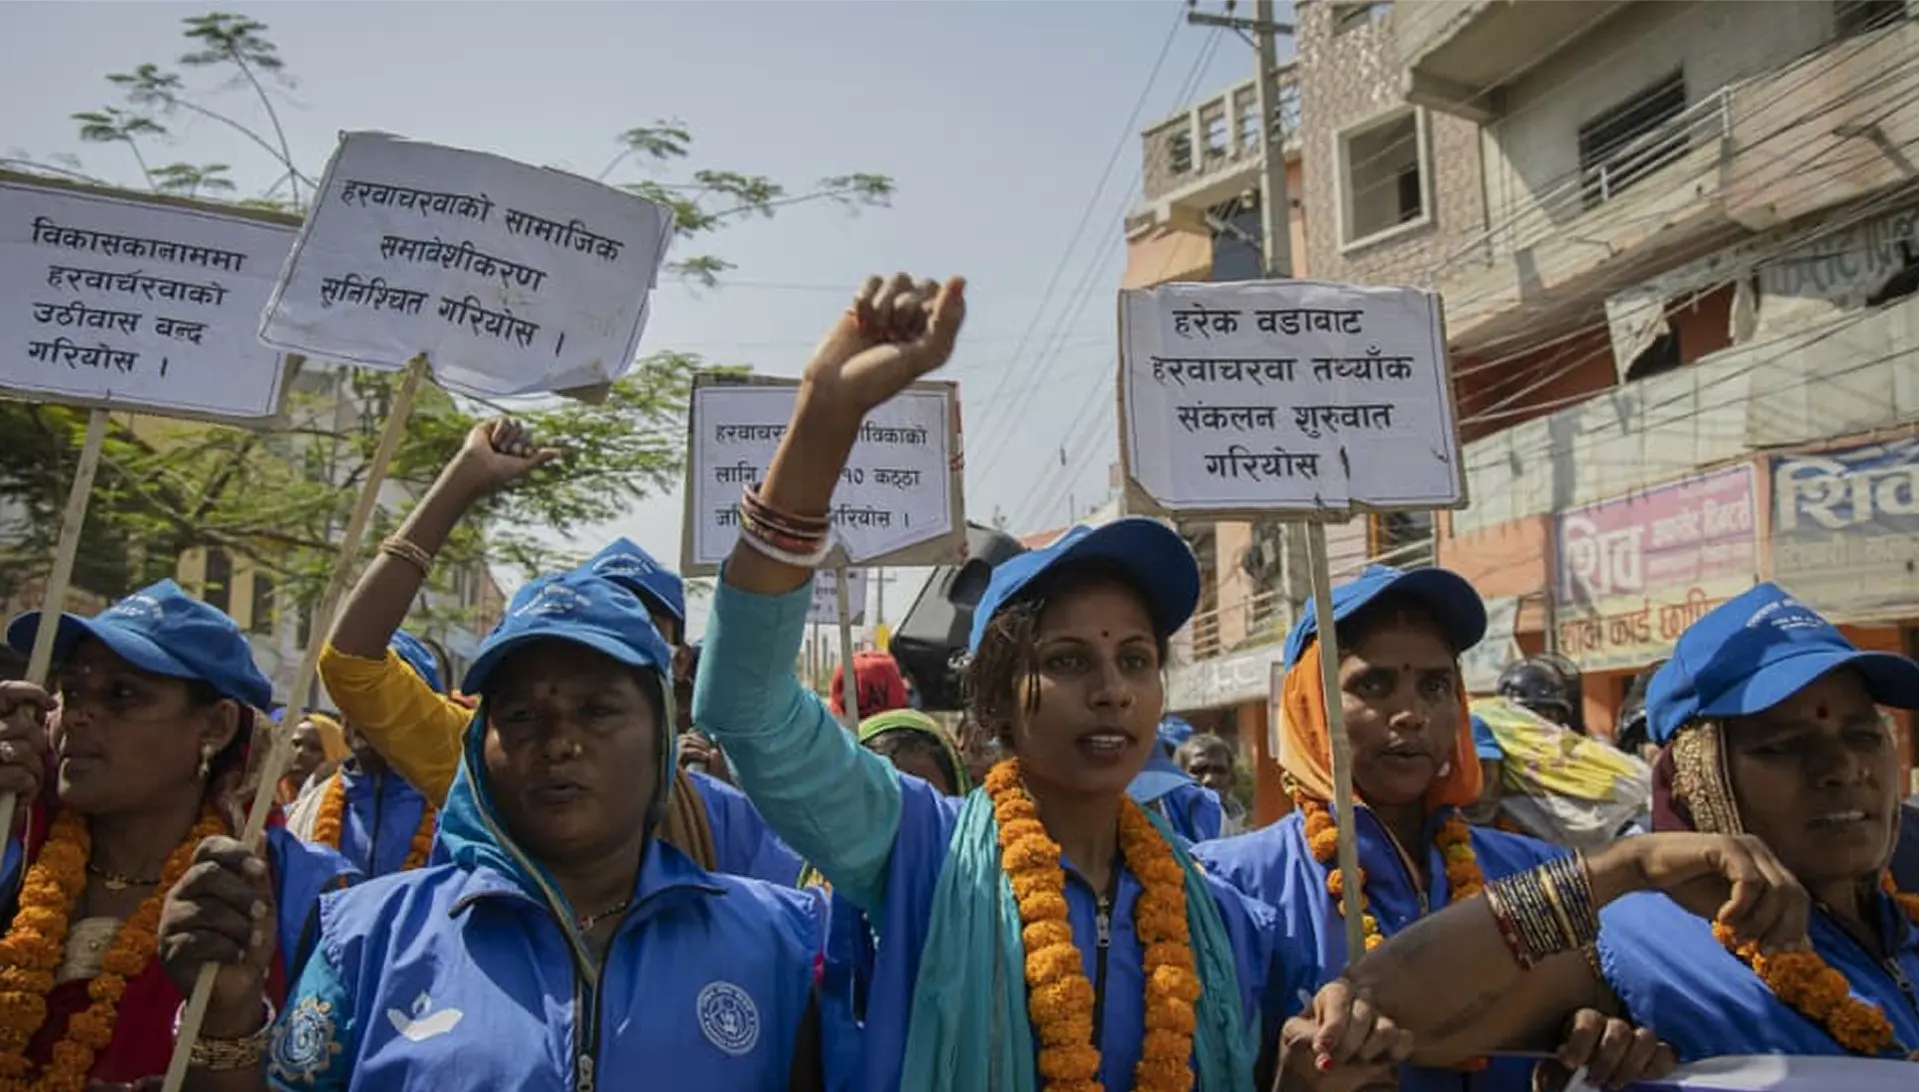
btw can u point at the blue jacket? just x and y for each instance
(1275, 866)
(1190, 808)
(881, 839)
(1674, 977)
(471, 975)
(743, 844)
(382, 814)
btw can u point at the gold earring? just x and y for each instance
(206, 759)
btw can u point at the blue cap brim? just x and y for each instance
(133, 647)
(1152, 556)
(475, 680)
(1891, 680)
(1451, 600)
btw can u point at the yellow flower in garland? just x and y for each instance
(331, 815)
(33, 947)
(1059, 998)
(1454, 841)
(1804, 981)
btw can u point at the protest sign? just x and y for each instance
(510, 278)
(127, 301)
(899, 498)
(825, 610)
(1274, 396)
(1247, 399)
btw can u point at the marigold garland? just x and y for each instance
(32, 949)
(1059, 996)
(1805, 982)
(331, 815)
(1454, 840)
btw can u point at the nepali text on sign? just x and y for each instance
(1636, 571)
(512, 279)
(1845, 530)
(116, 301)
(1287, 396)
(826, 603)
(895, 492)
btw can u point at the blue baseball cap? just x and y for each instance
(163, 630)
(420, 658)
(602, 615)
(1452, 602)
(1485, 744)
(627, 565)
(1154, 556)
(1756, 650)
(1174, 731)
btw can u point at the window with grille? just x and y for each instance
(1627, 143)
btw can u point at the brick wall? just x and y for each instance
(1351, 77)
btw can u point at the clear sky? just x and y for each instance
(997, 120)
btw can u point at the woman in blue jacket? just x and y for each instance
(1045, 932)
(564, 946)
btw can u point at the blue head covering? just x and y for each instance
(1446, 595)
(1756, 650)
(1156, 559)
(631, 567)
(420, 658)
(163, 630)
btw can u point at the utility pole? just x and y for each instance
(1275, 216)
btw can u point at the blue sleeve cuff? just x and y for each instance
(835, 804)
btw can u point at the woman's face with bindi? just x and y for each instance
(1816, 778)
(1087, 715)
(1399, 692)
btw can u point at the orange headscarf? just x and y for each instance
(1306, 748)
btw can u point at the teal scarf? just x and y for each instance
(971, 990)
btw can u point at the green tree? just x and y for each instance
(280, 498)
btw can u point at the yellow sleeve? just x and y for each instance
(417, 729)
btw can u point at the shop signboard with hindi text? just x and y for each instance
(512, 279)
(1845, 529)
(826, 600)
(1285, 396)
(134, 302)
(1635, 571)
(899, 498)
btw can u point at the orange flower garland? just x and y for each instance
(1454, 839)
(1809, 985)
(1059, 997)
(327, 820)
(32, 949)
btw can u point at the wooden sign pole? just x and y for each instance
(849, 691)
(54, 600)
(1322, 578)
(279, 754)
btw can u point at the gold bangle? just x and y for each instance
(408, 551)
(229, 1055)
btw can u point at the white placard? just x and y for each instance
(826, 603)
(1287, 396)
(125, 303)
(512, 279)
(894, 493)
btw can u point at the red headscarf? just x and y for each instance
(881, 686)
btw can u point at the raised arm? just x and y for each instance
(837, 805)
(1490, 1001)
(416, 729)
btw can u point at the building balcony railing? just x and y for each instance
(1656, 199)
(1209, 151)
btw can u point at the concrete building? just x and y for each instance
(1685, 344)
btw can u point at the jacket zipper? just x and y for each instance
(1103, 933)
